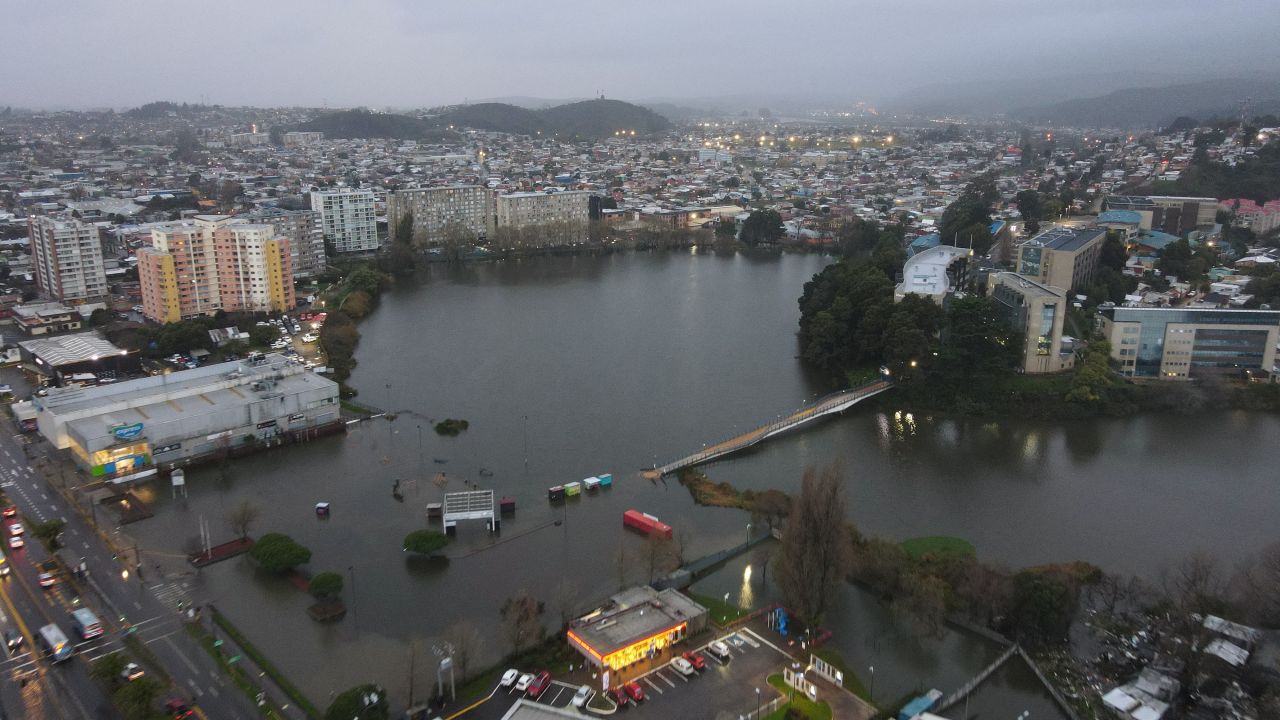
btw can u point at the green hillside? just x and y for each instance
(365, 124)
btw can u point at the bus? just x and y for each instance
(85, 623)
(55, 643)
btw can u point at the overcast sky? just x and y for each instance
(86, 53)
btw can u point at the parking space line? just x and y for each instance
(748, 640)
(648, 682)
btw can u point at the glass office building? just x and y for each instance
(1182, 343)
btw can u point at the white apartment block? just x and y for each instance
(347, 219)
(439, 209)
(535, 208)
(306, 240)
(66, 258)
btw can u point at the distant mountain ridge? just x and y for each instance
(588, 118)
(1149, 107)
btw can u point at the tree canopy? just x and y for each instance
(425, 542)
(279, 553)
(762, 226)
(326, 585)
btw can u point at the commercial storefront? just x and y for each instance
(635, 626)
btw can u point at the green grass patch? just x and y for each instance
(938, 545)
(722, 613)
(799, 703)
(852, 682)
(233, 671)
(278, 677)
(143, 653)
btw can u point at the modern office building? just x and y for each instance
(560, 217)
(1174, 215)
(1038, 312)
(635, 625)
(214, 262)
(1063, 257)
(125, 430)
(1186, 343)
(437, 211)
(66, 258)
(347, 219)
(934, 273)
(302, 229)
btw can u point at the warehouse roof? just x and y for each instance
(68, 349)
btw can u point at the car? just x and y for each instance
(16, 542)
(523, 683)
(695, 659)
(132, 671)
(682, 666)
(719, 650)
(310, 338)
(509, 677)
(16, 528)
(540, 683)
(47, 580)
(10, 511)
(619, 696)
(178, 709)
(13, 639)
(580, 698)
(4, 565)
(634, 691)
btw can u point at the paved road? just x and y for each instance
(117, 599)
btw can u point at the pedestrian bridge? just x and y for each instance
(833, 403)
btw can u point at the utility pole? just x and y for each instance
(355, 614)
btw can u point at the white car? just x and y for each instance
(16, 529)
(131, 672)
(524, 682)
(682, 666)
(310, 338)
(509, 677)
(580, 698)
(719, 649)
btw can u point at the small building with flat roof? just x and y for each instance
(635, 625)
(65, 359)
(1064, 257)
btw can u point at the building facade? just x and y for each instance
(934, 273)
(634, 626)
(1062, 257)
(1038, 312)
(1186, 343)
(66, 258)
(561, 217)
(438, 211)
(124, 431)
(306, 240)
(1166, 213)
(347, 219)
(254, 269)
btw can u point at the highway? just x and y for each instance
(124, 601)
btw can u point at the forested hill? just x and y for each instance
(365, 124)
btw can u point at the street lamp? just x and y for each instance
(757, 704)
(872, 668)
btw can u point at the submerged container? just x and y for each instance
(591, 483)
(572, 489)
(606, 480)
(555, 492)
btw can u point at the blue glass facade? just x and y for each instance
(1203, 343)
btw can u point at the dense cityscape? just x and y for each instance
(745, 406)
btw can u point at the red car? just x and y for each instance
(541, 682)
(634, 691)
(619, 696)
(10, 511)
(695, 659)
(178, 709)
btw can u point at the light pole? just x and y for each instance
(757, 717)
(525, 432)
(873, 683)
(748, 533)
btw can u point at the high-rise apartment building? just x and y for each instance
(302, 229)
(561, 217)
(1063, 257)
(66, 258)
(347, 219)
(214, 262)
(440, 210)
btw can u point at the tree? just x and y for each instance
(136, 699)
(1175, 260)
(1112, 254)
(263, 335)
(567, 597)
(326, 585)
(659, 555)
(621, 566)
(1031, 208)
(48, 531)
(100, 317)
(278, 553)
(364, 702)
(242, 517)
(1043, 605)
(815, 547)
(769, 506)
(425, 542)
(106, 669)
(466, 641)
(924, 600)
(522, 620)
(762, 226)
(404, 230)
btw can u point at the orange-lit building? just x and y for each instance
(634, 626)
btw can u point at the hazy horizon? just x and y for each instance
(403, 54)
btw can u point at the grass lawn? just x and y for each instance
(852, 682)
(721, 612)
(938, 545)
(811, 710)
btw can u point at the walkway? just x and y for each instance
(976, 680)
(833, 403)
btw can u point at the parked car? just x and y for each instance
(47, 580)
(580, 698)
(619, 696)
(132, 672)
(695, 659)
(16, 542)
(178, 709)
(13, 639)
(523, 683)
(719, 650)
(16, 528)
(682, 666)
(10, 511)
(4, 566)
(540, 683)
(634, 691)
(509, 677)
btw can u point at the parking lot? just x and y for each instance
(722, 686)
